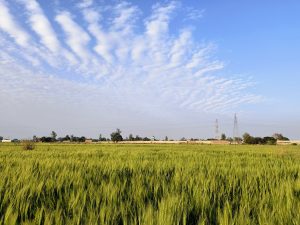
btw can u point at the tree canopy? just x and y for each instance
(116, 136)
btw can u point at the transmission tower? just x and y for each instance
(235, 127)
(217, 136)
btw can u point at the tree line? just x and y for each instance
(248, 139)
(116, 136)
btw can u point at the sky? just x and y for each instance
(152, 68)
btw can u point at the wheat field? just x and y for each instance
(149, 184)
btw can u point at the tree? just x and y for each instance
(1, 138)
(34, 138)
(223, 137)
(53, 136)
(67, 138)
(101, 138)
(269, 140)
(46, 139)
(131, 138)
(248, 139)
(280, 137)
(258, 141)
(138, 138)
(82, 139)
(166, 138)
(116, 136)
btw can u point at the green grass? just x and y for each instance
(149, 184)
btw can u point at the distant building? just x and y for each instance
(220, 142)
(89, 141)
(6, 141)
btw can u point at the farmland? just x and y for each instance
(149, 184)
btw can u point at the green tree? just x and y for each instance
(101, 138)
(248, 139)
(269, 140)
(138, 138)
(280, 137)
(53, 135)
(131, 138)
(223, 137)
(34, 138)
(116, 136)
(67, 138)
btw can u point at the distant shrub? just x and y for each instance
(28, 145)
(294, 143)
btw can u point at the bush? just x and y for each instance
(294, 143)
(28, 145)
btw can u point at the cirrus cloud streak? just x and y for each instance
(114, 51)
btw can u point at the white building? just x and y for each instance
(6, 141)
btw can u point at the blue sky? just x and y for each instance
(149, 67)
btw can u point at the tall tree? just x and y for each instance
(131, 138)
(53, 135)
(34, 138)
(116, 136)
(223, 137)
(280, 137)
(248, 139)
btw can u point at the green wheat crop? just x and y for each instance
(149, 184)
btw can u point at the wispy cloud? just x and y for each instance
(131, 57)
(9, 25)
(125, 15)
(157, 24)
(41, 25)
(76, 37)
(194, 14)
(85, 3)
